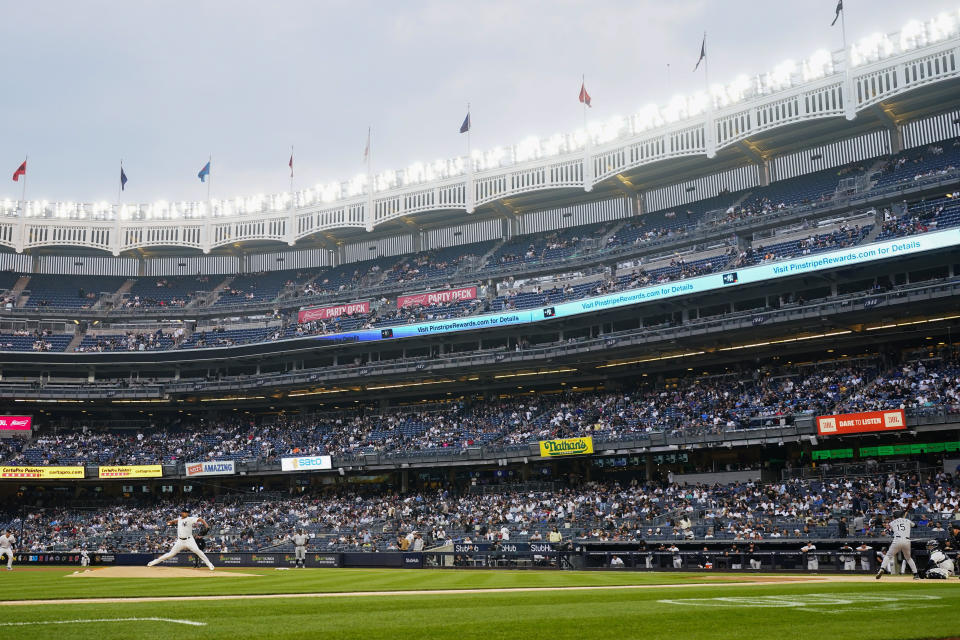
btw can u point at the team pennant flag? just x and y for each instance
(204, 172)
(466, 124)
(703, 52)
(584, 96)
(21, 171)
(838, 11)
(366, 149)
(123, 179)
(291, 165)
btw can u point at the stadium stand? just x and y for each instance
(374, 521)
(75, 292)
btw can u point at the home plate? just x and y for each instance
(158, 572)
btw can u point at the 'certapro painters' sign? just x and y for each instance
(566, 447)
(131, 471)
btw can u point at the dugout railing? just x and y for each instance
(772, 555)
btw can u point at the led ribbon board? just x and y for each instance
(714, 282)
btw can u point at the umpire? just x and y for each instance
(200, 536)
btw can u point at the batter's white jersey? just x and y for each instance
(901, 528)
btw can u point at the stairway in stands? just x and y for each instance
(18, 288)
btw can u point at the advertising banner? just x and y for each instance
(222, 468)
(325, 313)
(40, 557)
(861, 422)
(306, 463)
(437, 297)
(505, 547)
(16, 424)
(566, 447)
(42, 473)
(260, 559)
(132, 471)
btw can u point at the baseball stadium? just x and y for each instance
(693, 372)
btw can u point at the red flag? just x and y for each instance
(21, 171)
(584, 96)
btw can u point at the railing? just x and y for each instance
(824, 471)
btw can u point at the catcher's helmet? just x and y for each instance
(932, 544)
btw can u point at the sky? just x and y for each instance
(163, 85)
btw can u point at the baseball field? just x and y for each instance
(396, 603)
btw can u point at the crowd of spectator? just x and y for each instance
(766, 396)
(382, 519)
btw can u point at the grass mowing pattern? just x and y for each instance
(560, 615)
(36, 585)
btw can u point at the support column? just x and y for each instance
(471, 195)
(588, 173)
(764, 169)
(849, 99)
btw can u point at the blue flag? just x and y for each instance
(123, 180)
(466, 124)
(204, 172)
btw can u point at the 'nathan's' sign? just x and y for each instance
(566, 447)
(436, 297)
(325, 313)
(861, 422)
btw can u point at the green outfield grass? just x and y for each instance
(854, 610)
(44, 584)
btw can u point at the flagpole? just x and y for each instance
(583, 83)
(120, 185)
(843, 32)
(209, 179)
(369, 161)
(369, 152)
(24, 196)
(469, 126)
(369, 213)
(706, 69)
(291, 172)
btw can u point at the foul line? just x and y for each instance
(192, 623)
(421, 592)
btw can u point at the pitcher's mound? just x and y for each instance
(156, 572)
